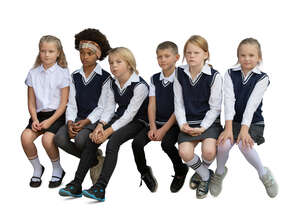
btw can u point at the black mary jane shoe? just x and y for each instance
(54, 184)
(37, 183)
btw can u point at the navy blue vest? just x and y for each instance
(122, 98)
(196, 94)
(88, 93)
(164, 96)
(242, 91)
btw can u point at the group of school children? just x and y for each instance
(181, 104)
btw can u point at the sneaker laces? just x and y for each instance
(216, 179)
(203, 186)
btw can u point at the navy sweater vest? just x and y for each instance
(164, 96)
(196, 94)
(88, 93)
(122, 98)
(242, 91)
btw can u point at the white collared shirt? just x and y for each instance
(254, 99)
(215, 99)
(161, 77)
(139, 94)
(47, 85)
(71, 112)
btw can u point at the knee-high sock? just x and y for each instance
(199, 167)
(252, 157)
(222, 156)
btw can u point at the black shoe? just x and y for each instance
(178, 180)
(202, 189)
(72, 189)
(39, 182)
(53, 184)
(149, 180)
(96, 192)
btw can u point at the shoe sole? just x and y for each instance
(65, 193)
(201, 196)
(88, 195)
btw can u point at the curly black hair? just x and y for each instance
(94, 35)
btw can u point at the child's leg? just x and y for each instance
(222, 156)
(252, 157)
(53, 153)
(138, 144)
(208, 156)
(27, 138)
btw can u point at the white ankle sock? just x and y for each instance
(57, 170)
(37, 167)
(222, 156)
(252, 157)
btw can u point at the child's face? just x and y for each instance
(118, 66)
(195, 56)
(48, 53)
(167, 59)
(87, 57)
(248, 56)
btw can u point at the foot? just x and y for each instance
(178, 181)
(149, 180)
(37, 181)
(269, 183)
(215, 186)
(96, 192)
(202, 189)
(95, 171)
(53, 184)
(72, 189)
(194, 181)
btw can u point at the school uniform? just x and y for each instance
(243, 100)
(47, 85)
(87, 99)
(129, 118)
(161, 88)
(198, 102)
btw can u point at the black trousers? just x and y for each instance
(89, 159)
(167, 144)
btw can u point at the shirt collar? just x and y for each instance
(52, 68)
(205, 69)
(133, 78)
(254, 70)
(97, 69)
(169, 78)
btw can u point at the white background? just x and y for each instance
(141, 26)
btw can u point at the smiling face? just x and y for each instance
(195, 56)
(167, 59)
(118, 66)
(48, 54)
(248, 56)
(88, 57)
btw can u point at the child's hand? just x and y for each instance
(152, 134)
(35, 126)
(160, 133)
(78, 126)
(72, 133)
(226, 134)
(45, 124)
(197, 131)
(186, 128)
(245, 138)
(101, 139)
(97, 133)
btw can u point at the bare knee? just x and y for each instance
(47, 140)
(27, 137)
(209, 154)
(186, 153)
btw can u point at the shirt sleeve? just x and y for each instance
(255, 99)
(71, 112)
(229, 97)
(139, 95)
(109, 106)
(28, 80)
(152, 88)
(65, 79)
(215, 102)
(178, 103)
(96, 113)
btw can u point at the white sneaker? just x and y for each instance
(95, 171)
(269, 183)
(215, 186)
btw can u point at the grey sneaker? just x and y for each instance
(202, 189)
(270, 183)
(194, 181)
(95, 171)
(215, 186)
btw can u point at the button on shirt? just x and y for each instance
(71, 112)
(254, 99)
(215, 99)
(47, 85)
(161, 77)
(139, 94)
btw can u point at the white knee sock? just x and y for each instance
(222, 156)
(57, 170)
(37, 167)
(252, 157)
(199, 167)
